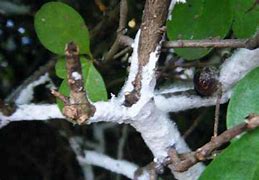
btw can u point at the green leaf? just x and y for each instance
(56, 24)
(93, 81)
(246, 18)
(61, 70)
(63, 89)
(239, 161)
(94, 85)
(199, 19)
(245, 99)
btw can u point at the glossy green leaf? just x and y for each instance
(94, 85)
(63, 89)
(239, 161)
(56, 24)
(245, 99)
(246, 18)
(61, 70)
(199, 19)
(93, 81)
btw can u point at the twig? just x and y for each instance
(217, 111)
(182, 162)
(121, 144)
(77, 107)
(36, 75)
(123, 14)
(120, 39)
(117, 166)
(122, 52)
(194, 125)
(216, 43)
(14, 8)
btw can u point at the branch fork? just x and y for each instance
(77, 107)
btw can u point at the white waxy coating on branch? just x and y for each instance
(176, 87)
(118, 166)
(32, 112)
(237, 66)
(184, 102)
(26, 94)
(76, 76)
(111, 111)
(128, 87)
(148, 82)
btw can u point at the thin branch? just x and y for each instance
(251, 43)
(13, 8)
(123, 14)
(15, 95)
(194, 125)
(118, 166)
(121, 144)
(182, 162)
(32, 112)
(217, 111)
(122, 52)
(60, 96)
(120, 39)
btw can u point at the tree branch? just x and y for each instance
(214, 43)
(118, 166)
(76, 107)
(182, 162)
(120, 39)
(154, 17)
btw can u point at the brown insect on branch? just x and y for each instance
(77, 107)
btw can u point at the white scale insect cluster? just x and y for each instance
(76, 76)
